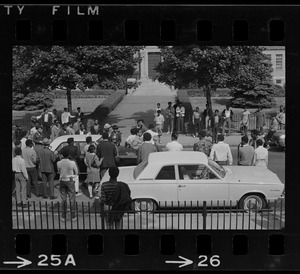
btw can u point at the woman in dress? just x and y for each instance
(93, 169)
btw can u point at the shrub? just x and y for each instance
(108, 105)
(31, 101)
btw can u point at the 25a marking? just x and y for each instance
(214, 261)
(55, 260)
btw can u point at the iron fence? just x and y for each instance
(91, 215)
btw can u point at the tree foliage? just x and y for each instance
(240, 68)
(37, 68)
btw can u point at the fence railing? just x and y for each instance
(91, 215)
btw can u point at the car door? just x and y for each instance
(164, 187)
(200, 183)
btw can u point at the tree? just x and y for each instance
(211, 67)
(37, 68)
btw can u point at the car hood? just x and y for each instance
(125, 175)
(253, 174)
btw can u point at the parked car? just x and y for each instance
(190, 177)
(278, 139)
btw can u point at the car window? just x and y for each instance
(195, 172)
(64, 144)
(81, 147)
(166, 173)
(139, 168)
(217, 168)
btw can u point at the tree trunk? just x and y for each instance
(208, 96)
(69, 100)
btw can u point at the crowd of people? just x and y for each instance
(32, 157)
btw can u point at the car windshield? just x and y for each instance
(216, 168)
(139, 168)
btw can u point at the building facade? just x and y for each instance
(151, 56)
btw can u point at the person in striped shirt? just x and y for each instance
(115, 199)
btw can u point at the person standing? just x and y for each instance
(38, 136)
(216, 123)
(272, 130)
(180, 114)
(63, 130)
(203, 144)
(95, 129)
(55, 130)
(154, 135)
(107, 151)
(261, 155)
(227, 116)
(138, 140)
(47, 161)
(196, 119)
(159, 121)
(54, 114)
(115, 136)
(221, 152)
(245, 152)
(93, 169)
(65, 116)
(21, 176)
(157, 109)
(254, 138)
(31, 162)
(207, 115)
(33, 130)
(245, 121)
(74, 155)
(89, 142)
(18, 133)
(174, 145)
(46, 121)
(170, 114)
(260, 120)
(76, 125)
(280, 117)
(141, 125)
(67, 171)
(131, 137)
(146, 148)
(115, 199)
(81, 130)
(79, 114)
(70, 129)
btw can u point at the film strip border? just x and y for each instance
(156, 26)
(164, 25)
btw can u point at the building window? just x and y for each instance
(279, 61)
(278, 81)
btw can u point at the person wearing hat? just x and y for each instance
(74, 155)
(47, 162)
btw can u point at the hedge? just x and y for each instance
(107, 106)
(92, 93)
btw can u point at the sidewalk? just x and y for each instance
(133, 108)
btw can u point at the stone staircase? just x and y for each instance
(149, 87)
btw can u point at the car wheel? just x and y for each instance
(252, 202)
(144, 205)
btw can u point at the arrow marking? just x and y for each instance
(21, 263)
(183, 263)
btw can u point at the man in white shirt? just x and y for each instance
(221, 152)
(260, 154)
(180, 113)
(159, 121)
(154, 135)
(46, 120)
(65, 117)
(174, 145)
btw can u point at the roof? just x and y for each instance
(177, 157)
(77, 137)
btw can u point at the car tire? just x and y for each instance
(252, 202)
(144, 205)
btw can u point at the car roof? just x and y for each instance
(177, 157)
(57, 141)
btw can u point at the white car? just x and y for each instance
(187, 178)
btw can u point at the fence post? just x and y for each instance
(102, 215)
(204, 214)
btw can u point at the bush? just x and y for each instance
(108, 105)
(279, 91)
(31, 101)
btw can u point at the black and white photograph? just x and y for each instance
(148, 137)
